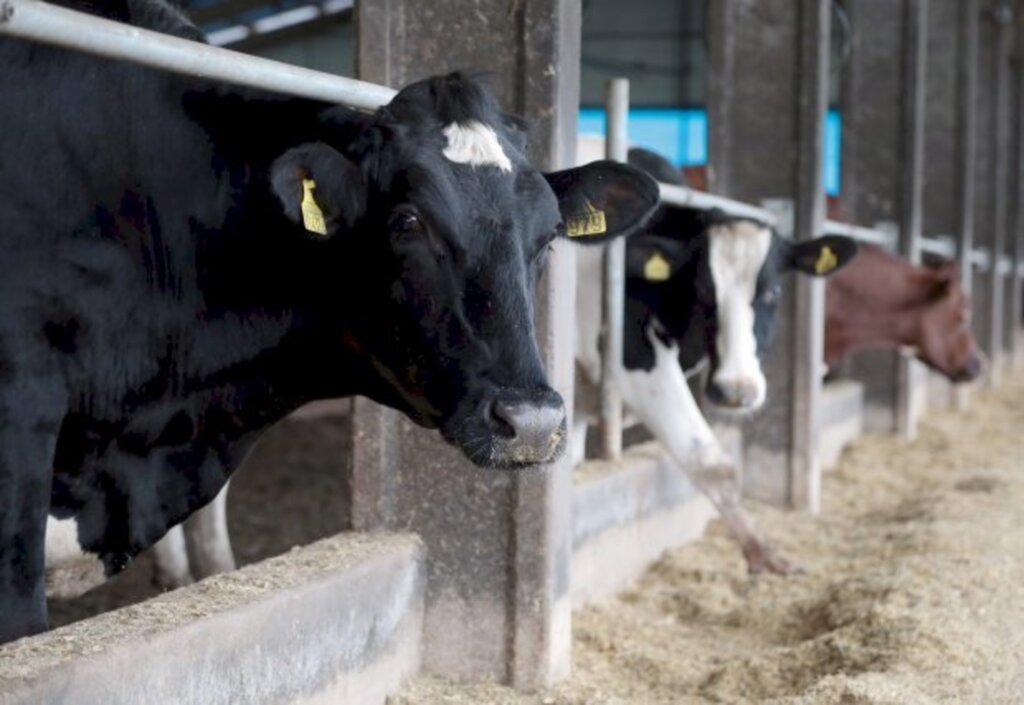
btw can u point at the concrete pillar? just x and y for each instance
(985, 190)
(1015, 234)
(883, 135)
(911, 381)
(498, 545)
(767, 95)
(1000, 16)
(946, 102)
(967, 155)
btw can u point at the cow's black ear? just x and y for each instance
(319, 189)
(822, 256)
(603, 200)
(654, 259)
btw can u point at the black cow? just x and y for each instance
(185, 262)
(700, 287)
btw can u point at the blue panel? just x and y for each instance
(678, 134)
(833, 152)
(681, 136)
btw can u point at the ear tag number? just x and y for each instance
(312, 216)
(826, 261)
(657, 268)
(590, 223)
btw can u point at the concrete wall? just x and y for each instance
(339, 621)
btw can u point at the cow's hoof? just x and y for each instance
(763, 559)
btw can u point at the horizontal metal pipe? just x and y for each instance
(981, 259)
(684, 196)
(941, 246)
(860, 233)
(43, 22)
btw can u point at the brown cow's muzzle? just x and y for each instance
(972, 370)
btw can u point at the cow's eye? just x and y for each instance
(406, 222)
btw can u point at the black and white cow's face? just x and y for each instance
(444, 228)
(728, 281)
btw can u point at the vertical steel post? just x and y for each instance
(967, 126)
(910, 378)
(1016, 307)
(613, 282)
(1001, 14)
(967, 153)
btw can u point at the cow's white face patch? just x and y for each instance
(476, 144)
(737, 252)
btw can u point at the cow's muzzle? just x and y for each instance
(515, 429)
(736, 396)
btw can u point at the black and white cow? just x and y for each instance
(700, 287)
(701, 290)
(185, 262)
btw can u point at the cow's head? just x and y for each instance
(725, 278)
(441, 228)
(947, 343)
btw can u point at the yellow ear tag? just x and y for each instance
(657, 268)
(592, 222)
(826, 261)
(312, 216)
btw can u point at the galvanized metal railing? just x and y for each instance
(875, 236)
(691, 198)
(42, 22)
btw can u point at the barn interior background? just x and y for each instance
(897, 122)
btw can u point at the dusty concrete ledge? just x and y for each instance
(625, 515)
(338, 621)
(842, 419)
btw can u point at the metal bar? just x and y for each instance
(967, 127)
(860, 233)
(914, 77)
(915, 60)
(42, 22)
(613, 282)
(684, 196)
(279, 25)
(980, 259)
(1001, 14)
(943, 246)
(1016, 232)
(808, 322)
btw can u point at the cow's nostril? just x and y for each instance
(530, 425)
(500, 417)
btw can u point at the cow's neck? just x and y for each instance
(253, 264)
(871, 330)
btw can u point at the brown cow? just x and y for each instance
(881, 301)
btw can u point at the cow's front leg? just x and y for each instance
(662, 400)
(207, 538)
(170, 560)
(31, 421)
(717, 478)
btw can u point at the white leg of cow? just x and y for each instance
(170, 560)
(579, 441)
(206, 535)
(662, 400)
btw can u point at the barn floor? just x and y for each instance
(913, 591)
